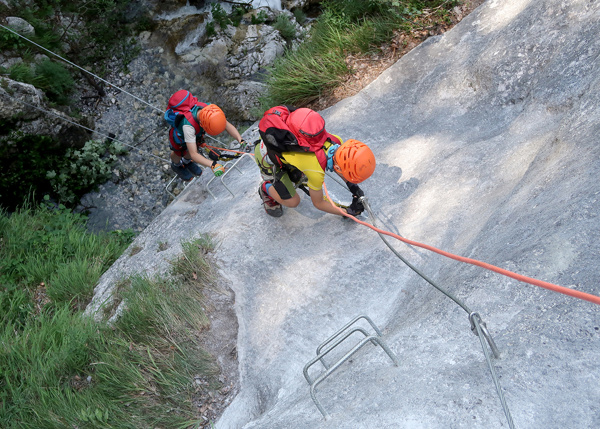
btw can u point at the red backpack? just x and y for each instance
(180, 106)
(283, 132)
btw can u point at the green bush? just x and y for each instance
(237, 14)
(285, 26)
(219, 15)
(11, 41)
(31, 163)
(302, 75)
(24, 160)
(299, 15)
(344, 26)
(51, 77)
(55, 80)
(21, 72)
(82, 170)
(258, 18)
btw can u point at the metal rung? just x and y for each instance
(185, 184)
(331, 343)
(234, 164)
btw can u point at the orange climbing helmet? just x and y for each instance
(354, 161)
(212, 119)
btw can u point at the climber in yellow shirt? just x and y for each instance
(296, 150)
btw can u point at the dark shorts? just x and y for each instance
(179, 150)
(280, 179)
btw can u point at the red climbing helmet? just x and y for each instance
(212, 119)
(308, 125)
(354, 161)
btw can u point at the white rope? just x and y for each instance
(81, 68)
(85, 128)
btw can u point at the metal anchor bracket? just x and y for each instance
(331, 343)
(185, 184)
(475, 320)
(229, 165)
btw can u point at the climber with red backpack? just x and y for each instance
(190, 120)
(295, 150)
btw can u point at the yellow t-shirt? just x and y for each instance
(308, 163)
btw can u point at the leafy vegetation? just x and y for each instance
(31, 163)
(59, 368)
(343, 27)
(221, 18)
(82, 170)
(285, 26)
(259, 18)
(88, 33)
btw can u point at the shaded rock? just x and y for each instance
(20, 25)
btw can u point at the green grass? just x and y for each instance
(344, 27)
(301, 75)
(52, 247)
(60, 369)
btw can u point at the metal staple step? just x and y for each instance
(232, 164)
(229, 165)
(335, 340)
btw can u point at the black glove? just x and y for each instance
(355, 189)
(356, 207)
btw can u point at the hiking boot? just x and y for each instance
(183, 173)
(193, 168)
(272, 207)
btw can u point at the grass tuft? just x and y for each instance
(61, 369)
(344, 26)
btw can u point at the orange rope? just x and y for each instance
(530, 280)
(224, 150)
(550, 286)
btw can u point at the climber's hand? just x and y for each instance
(244, 146)
(356, 207)
(217, 169)
(355, 189)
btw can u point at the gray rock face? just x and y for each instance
(20, 25)
(487, 147)
(26, 106)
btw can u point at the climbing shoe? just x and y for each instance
(272, 207)
(184, 173)
(193, 168)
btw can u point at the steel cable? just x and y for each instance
(81, 68)
(474, 318)
(84, 127)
